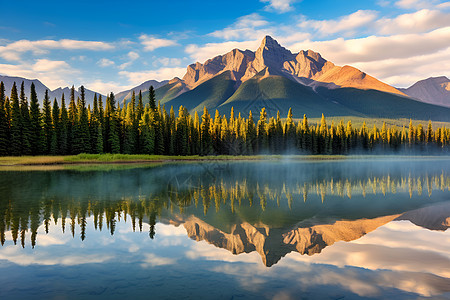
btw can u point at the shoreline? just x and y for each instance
(124, 159)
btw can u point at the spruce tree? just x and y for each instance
(16, 123)
(47, 124)
(152, 98)
(56, 133)
(35, 120)
(4, 124)
(64, 129)
(26, 122)
(205, 135)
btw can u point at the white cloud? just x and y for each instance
(45, 65)
(166, 61)
(138, 77)
(132, 56)
(151, 43)
(445, 5)
(346, 24)
(280, 6)
(399, 60)
(106, 87)
(104, 62)
(204, 52)
(415, 4)
(44, 70)
(12, 51)
(244, 28)
(421, 21)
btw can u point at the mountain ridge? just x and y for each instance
(433, 90)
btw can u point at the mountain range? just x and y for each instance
(434, 90)
(277, 79)
(41, 88)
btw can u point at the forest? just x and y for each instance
(26, 129)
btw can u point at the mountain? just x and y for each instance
(434, 90)
(41, 88)
(277, 79)
(125, 96)
(306, 67)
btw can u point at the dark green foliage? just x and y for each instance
(16, 123)
(153, 130)
(64, 129)
(152, 98)
(4, 124)
(35, 121)
(26, 123)
(56, 134)
(47, 124)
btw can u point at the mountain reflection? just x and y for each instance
(272, 208)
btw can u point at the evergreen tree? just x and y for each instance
(251, 135)
(56, 133)
(64, 129)
(205, 136)
(26, 122)
(16, 123)
(113, 134)
(152, 98)
(4, 124)
(262, 131)
(47, 124)
(35, 120)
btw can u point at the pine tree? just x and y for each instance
(73, 121)
(26, 122)
(152, 98)
(64, 129)
(251, 135)
(262, 131)
(205, 136)
(35, 120)
(4, 124)
(47, 124)
(81, 139)
(56, 133)
(113, 134)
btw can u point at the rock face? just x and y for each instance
(434, 90)
(306, 67)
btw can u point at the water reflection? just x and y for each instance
(379, 225)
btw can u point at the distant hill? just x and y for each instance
(126, 95)
(434, 90)
(41, 88)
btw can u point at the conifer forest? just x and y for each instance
(60, 129)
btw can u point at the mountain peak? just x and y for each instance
(270, 44)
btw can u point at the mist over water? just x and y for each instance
(331, 228)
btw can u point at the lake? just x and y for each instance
(367, 227)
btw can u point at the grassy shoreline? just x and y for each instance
(81, 159)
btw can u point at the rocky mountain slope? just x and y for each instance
(434, 90)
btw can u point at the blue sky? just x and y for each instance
(114, 45)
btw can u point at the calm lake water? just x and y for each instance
(345, 229)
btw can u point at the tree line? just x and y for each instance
(26, 129)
